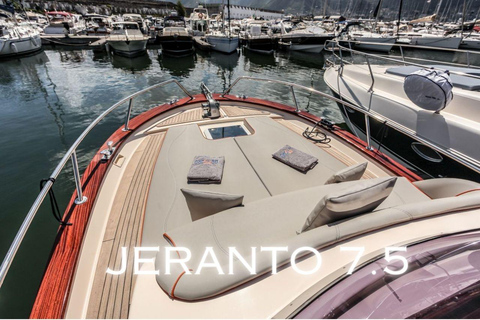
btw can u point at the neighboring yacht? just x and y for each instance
(199, 21)
(134, 17)
(305, 38)
(61, 22)
(127, 39)
(276, 198)
(175, 38)
(257, 41)
(17, 38)
(222, 39)
(363, 38)
(97, 24)
(450, 129)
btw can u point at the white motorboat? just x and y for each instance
(430, 40)
(97, 24)
(362, 38)
(310, 39)
(199, 21)
(61, 22)
(17, 38)
(135, 17)
(127, 39)
(256, 238)
(452, 133)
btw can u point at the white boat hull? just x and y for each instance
(455, 128)
(223, 44)
(437, 42)
(13, 47)
(385, 44)
(470, 44)
(128, 48)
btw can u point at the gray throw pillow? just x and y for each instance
(360, 198)
(203, 204)
(352, 173)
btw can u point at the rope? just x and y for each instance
(53, 202)
(316, 135)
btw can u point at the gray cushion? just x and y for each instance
(360, 198)
(203, 204)
(351, 173)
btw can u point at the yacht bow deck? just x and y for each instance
(148, 172)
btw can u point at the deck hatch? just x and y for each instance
(226, 130)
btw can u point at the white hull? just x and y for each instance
(437, 42)
(470, 44)
(455, 128)
(223, 44)
(128, 48)
(12, 47)
(385, 44)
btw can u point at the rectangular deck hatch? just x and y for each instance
(226, 130)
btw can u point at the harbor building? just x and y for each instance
(241, 12)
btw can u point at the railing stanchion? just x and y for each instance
(297, 109)
(367, 130)
(80, 197)
(129, 113)
(468, 59)
(403, 57)
(371, 74)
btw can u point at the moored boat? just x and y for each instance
(17, 38)
(139, 205)
(175, 38)
(305, 39)
(449, 131)
(127, 39)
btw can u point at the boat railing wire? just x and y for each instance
(71, 155)
(340, 54)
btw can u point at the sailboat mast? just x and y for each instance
(399, 16)
(229, 23)
(377, 11)
(463, 15)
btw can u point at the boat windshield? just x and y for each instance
(440, 272)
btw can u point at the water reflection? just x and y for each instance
(257, 60)
(177, 66)
(135, 64)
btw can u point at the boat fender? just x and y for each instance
(13, 47)
(429, 89)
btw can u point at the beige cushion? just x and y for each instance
(352, 173)
(203, 204)
(360, 198)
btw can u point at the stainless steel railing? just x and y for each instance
(467, 161)
(332, 45)
(71, 155)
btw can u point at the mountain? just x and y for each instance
(412, 9)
